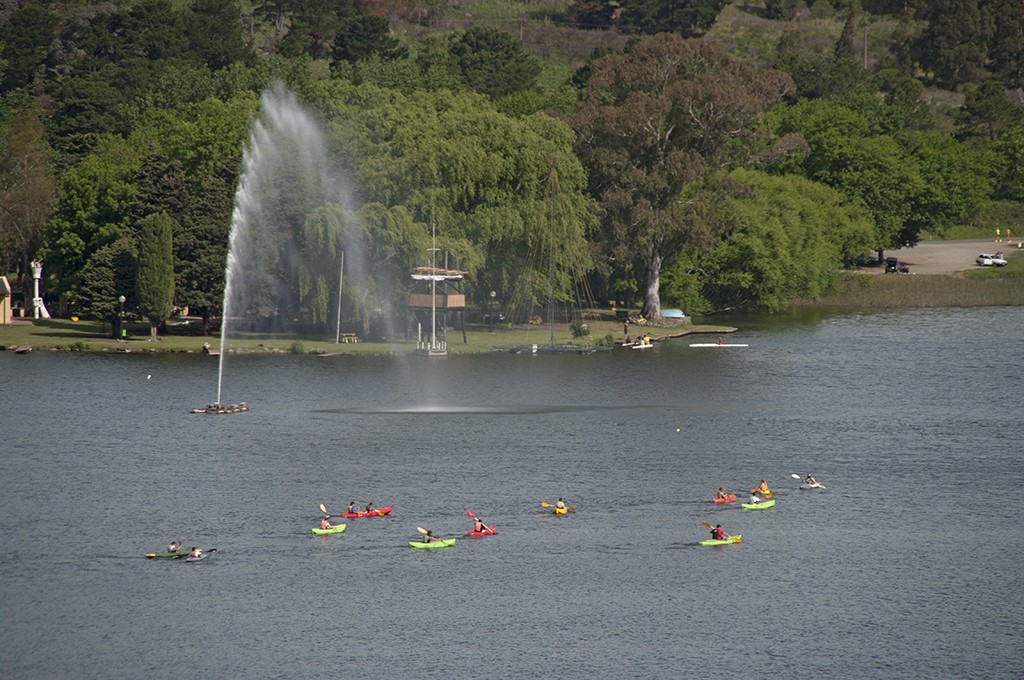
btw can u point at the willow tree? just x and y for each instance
(654, 119)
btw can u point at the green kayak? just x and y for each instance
(182, 553)
(763, 505)
(723, 541)
(433, 544)
(333, 530)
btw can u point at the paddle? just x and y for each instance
(323, 509)
(472, 516)
(727, 536)
(548, 505)
(796, 476)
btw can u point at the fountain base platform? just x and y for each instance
(222, 408)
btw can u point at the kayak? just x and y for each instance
(763, 505)
(722, 541)
(808, 487)
(489, 531)
(559, 511)
(317, 531)
(433, 544)
(172, 555)
(205, 555)
(377, 512)
(728, 499)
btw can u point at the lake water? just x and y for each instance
(906, 566)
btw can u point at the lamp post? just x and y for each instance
(120, 318)
(491, 315)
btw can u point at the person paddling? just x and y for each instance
(352, 508)
(560, 504)
(369, 507)
(763, 488)
(810, 480)
(324, 523)
(479, 526)
(174, 547)
(722, 493)
(718, 533)
(753, 497)
(195, 552)
(429, 537)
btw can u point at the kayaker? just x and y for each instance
(560, 504)
(195, 552)
(763, 488)
(174, 547)
(324, 524)
(369, 507)
(722, 493)
(429, 537)
(753, 497)
(479, 526)
(718, 533)
(809, 480)
(352, 508)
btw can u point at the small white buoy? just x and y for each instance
(149, 376)
(677, 429)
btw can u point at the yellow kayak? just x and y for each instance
(559, 511)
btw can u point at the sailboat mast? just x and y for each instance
(552, 180)
(433, 286)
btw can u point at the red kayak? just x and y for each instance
(489, 531)
(728, 499)
(376, 512)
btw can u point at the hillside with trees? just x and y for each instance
(710, 154)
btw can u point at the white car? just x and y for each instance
(991, 260)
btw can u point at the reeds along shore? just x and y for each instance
(895, 292)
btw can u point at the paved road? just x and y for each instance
(947, 257)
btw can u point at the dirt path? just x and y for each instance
(947, 257)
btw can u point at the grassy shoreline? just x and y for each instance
(93, 336)
(978, 288)
(989, 288)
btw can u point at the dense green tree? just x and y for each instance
(201, 242)
(214, 31)
(109, 274)
(1008, 173)
(26, 38)
(362, 37)
(781, 9)
(655, 119)
(493, 62)
(953, 45)
(956, 182)
(452, 159)
(789, 241)
(314, 25)
(92, 210)
(154, 277)
(987, 111)
(687, 17)
(1006, 48)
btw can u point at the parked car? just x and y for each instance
(991, 260)
(894, 266)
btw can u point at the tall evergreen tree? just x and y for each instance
(154, 279)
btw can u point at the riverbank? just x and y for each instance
(91, 336)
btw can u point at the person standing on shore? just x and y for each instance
(997, 235)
